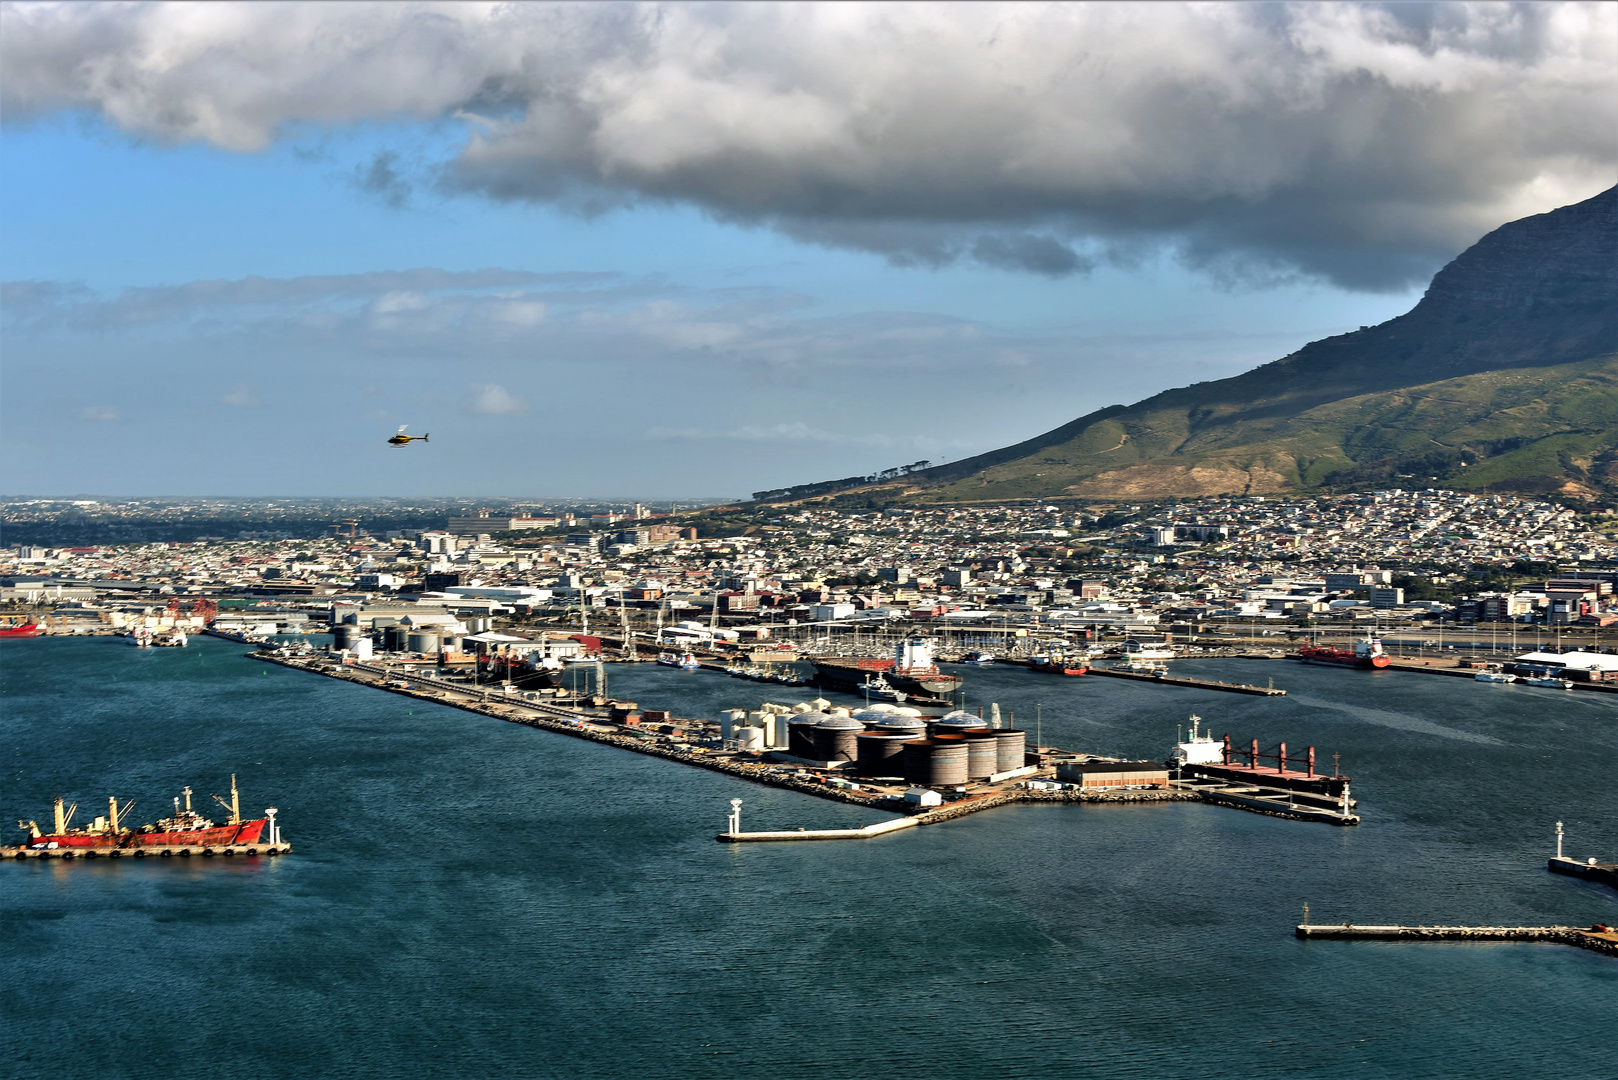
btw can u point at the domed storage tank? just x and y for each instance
(422, 641)
(982, 754)
(837, 738)
(918, 760)
(1010, 745)
(801, 735)
(878, 754)
(898, 724)
(956, 721)
(946, 766)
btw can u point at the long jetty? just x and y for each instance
(1596, 940)
(1165, 679)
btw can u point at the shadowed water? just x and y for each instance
(471, 898)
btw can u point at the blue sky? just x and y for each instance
(253, 306)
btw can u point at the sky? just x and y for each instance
(697, 250)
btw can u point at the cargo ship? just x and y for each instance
(21, 630)
(1217, 759)
(910, 677)
(1367, 653)
(186, 828)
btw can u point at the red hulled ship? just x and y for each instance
(186, 828)
(1057, 665)
(21, 630)
(1367, 653)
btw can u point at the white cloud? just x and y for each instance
(241, 396)
(99, 414)
(491, 399)
(1360, 142)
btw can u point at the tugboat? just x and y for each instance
(186, 828)
(1367, 653)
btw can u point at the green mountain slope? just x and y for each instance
(1504, 376)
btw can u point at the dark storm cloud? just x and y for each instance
(1359, 143)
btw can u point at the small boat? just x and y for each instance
(686, 661)
(1549, 682)
(979, 659)
(1494, 677)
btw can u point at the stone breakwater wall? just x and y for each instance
(1606, 943)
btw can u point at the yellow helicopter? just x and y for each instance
(401, 439)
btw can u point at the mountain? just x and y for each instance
(1503, 377)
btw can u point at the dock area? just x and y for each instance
(1596, 940)
(226, 851)
(591, 725)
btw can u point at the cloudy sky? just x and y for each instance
(700, 249)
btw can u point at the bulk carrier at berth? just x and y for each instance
(186, 829)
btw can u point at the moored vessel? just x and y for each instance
(1367, 653)
(21, 630)
(186, 828)
(1052, 664)
(910, 673)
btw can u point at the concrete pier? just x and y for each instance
(1601, 941)
(878, 829)
(1182, 680)
(1589, 870)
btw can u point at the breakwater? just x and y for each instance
(1605, 942)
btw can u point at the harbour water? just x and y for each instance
(471, 898)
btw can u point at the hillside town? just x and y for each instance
(1253, 566)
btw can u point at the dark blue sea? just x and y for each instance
(471, 898)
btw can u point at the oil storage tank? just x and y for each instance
(422, 641)
(947, 763)
(956, 721)
(1011, 746)
(914, 726)
(801, 735)
(880, 753)
(918, 757)
(395, 638)
(837, 738)
(982, 754)
(343, 636)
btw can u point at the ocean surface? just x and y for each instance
(471, 898)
